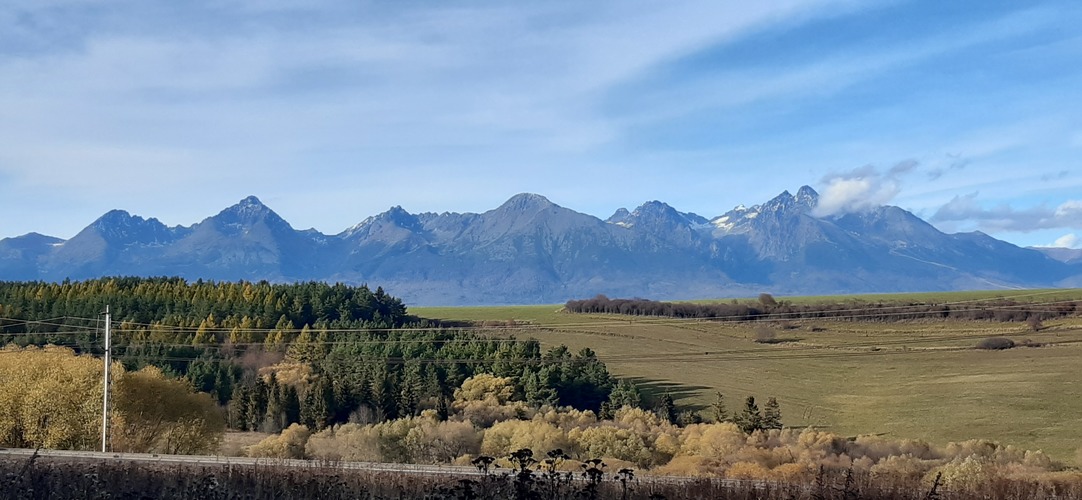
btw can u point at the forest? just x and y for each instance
(274, 355)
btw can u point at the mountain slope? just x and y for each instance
(530, 250)
(245, 241)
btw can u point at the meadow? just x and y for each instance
(921, 379)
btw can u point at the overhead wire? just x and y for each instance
(829, 314)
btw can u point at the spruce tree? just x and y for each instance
(772, 414)
(719, 410)
(750, 420)
(625, 394)
(318, 405)
(443, 408)
(273, 417)
(238, 408)
(666, 409)
(291, 405)
(257, 404)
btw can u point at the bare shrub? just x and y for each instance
(767, 300)
(766, 335)
(256, 358)
(995, 343)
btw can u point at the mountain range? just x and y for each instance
(530, 250)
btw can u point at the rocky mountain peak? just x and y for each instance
(786, 203)
(619, 217)
(249, 211)
(395, 216)
(807, 196)
(119, 225)
(526, 202)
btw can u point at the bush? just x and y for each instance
(289, 444)
(995, 343)
(766, 335)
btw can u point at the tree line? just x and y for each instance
(767, 308)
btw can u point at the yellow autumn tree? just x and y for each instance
(49, 398)
(158, 414)
(52, 398)
(510, 435)
(289, 444)
(485, 399)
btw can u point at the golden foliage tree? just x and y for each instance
(289, 444)
(158, 414)
(51, 397)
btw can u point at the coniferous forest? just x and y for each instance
(276, 354)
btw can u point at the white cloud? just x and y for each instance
(860, 189)
(1003, 217)
(1070, 240)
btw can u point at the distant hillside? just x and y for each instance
(530, 250)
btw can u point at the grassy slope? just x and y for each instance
(909, 380)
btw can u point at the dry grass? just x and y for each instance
(235, 444)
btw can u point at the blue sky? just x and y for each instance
(967, 113)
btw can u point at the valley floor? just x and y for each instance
(919, 380)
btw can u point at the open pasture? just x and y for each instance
(908, 379)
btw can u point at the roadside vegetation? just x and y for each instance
(530, 476)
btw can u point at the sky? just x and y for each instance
(968, 114)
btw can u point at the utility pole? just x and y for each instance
(105, 398)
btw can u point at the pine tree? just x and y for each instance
(772, 414)
(605, 412)
(750, 420)
(223, 385)
(407, 400)
(303, 348)
(238, 408)
(318, 405)
(666, 409)
(382, 398)
(625, 394)
(345, 401)
(291, 405)
(257, 404)
(273, 418)
(719, 410)
(688, 417)
(443, 408)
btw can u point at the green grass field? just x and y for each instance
(920, 379)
